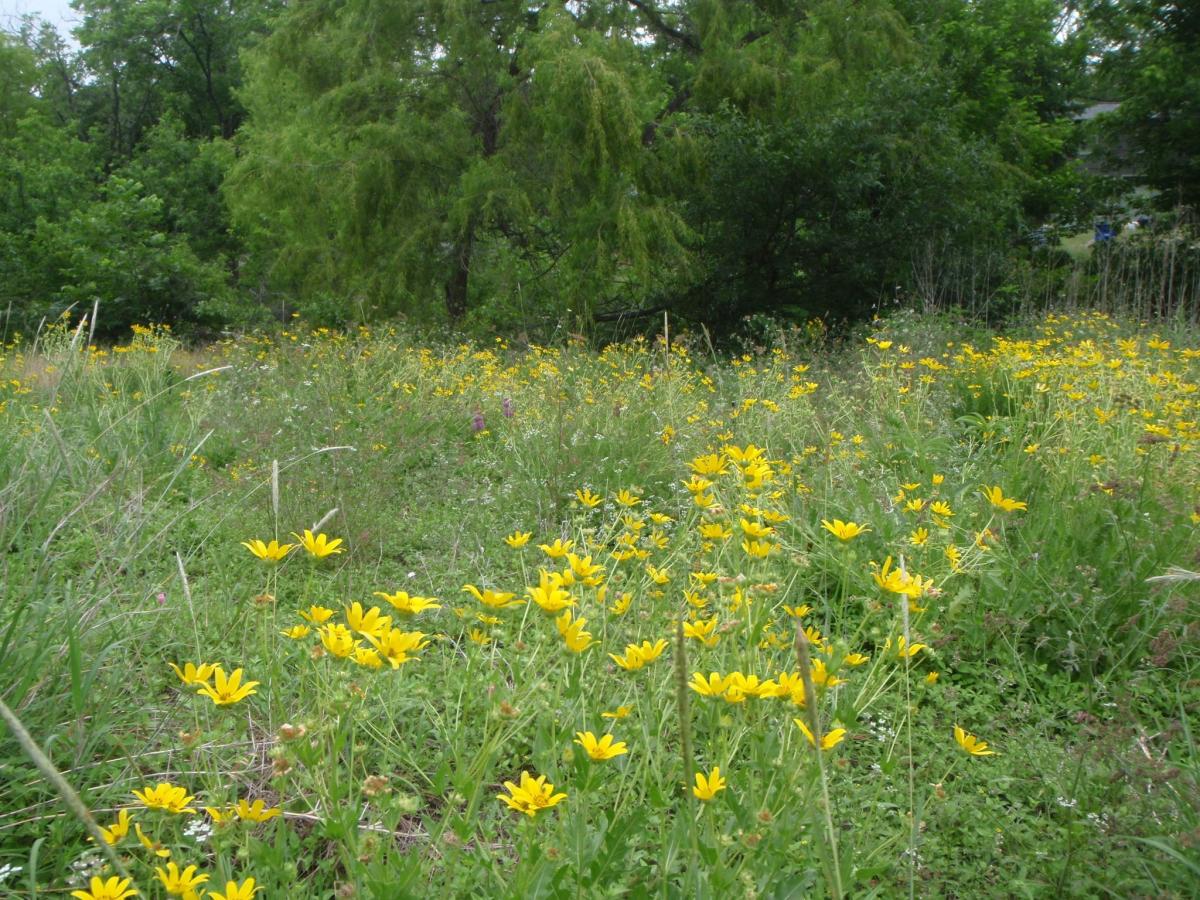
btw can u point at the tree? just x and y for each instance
(151, 58)
(1149, 58)
(821, 214)
(111, 161)
(148, 275)
(401, 151)
(1016, 70)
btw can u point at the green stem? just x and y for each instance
(685, 739)
(908, 713)
(810, 709)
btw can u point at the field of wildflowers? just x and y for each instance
(335, 615)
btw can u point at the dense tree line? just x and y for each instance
(513, 163)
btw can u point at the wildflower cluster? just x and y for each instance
(696, 598)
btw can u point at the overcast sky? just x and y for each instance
(57, 12)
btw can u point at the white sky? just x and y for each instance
(57, 12)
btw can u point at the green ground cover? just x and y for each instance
(868, 542)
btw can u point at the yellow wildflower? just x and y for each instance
(149, 843)
(113, 888)
(657, 575)
(221, 815)
(619, 713)
(318, 615)
(707, 786)
(585, 570)
(115, 832)
(755, 529)
(193, 674)
(897, 581)
(233, 891)
(576, 639)
(408, 604)
(256, 811)
(709, 464)
(272, 552)
(338, 640)
(167, 796)
(368, 622)
(558, 549)
(368, 658)
(533, 795)
(227, 690)
(743, 686)
(588, 498)
(844, 531)
(601, 749)
(633, 523)
(395, 645)
(636, 657)
(971, 744)
(703, 631)
(822, 677)
(494, 599)
(712, 686)
(518, 539)
(757, 549)
(828, 741)
(549, 594)
(320, 546)
(621, 604)
(180, 884)
(791, 685)
(954, 556)
(715, 531)
(996, 497)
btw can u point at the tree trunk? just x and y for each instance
(457, 284)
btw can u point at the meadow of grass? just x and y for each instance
(899, 545)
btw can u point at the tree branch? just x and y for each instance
(659, 25)
(676, 103)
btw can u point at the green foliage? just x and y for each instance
(820, 214)
(402, 157)
(186, 175)
(113, 157)
(1150, 61)
(158, 58)
(147, 275)
(1016, 68)
(545, 165)
(552, 168)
